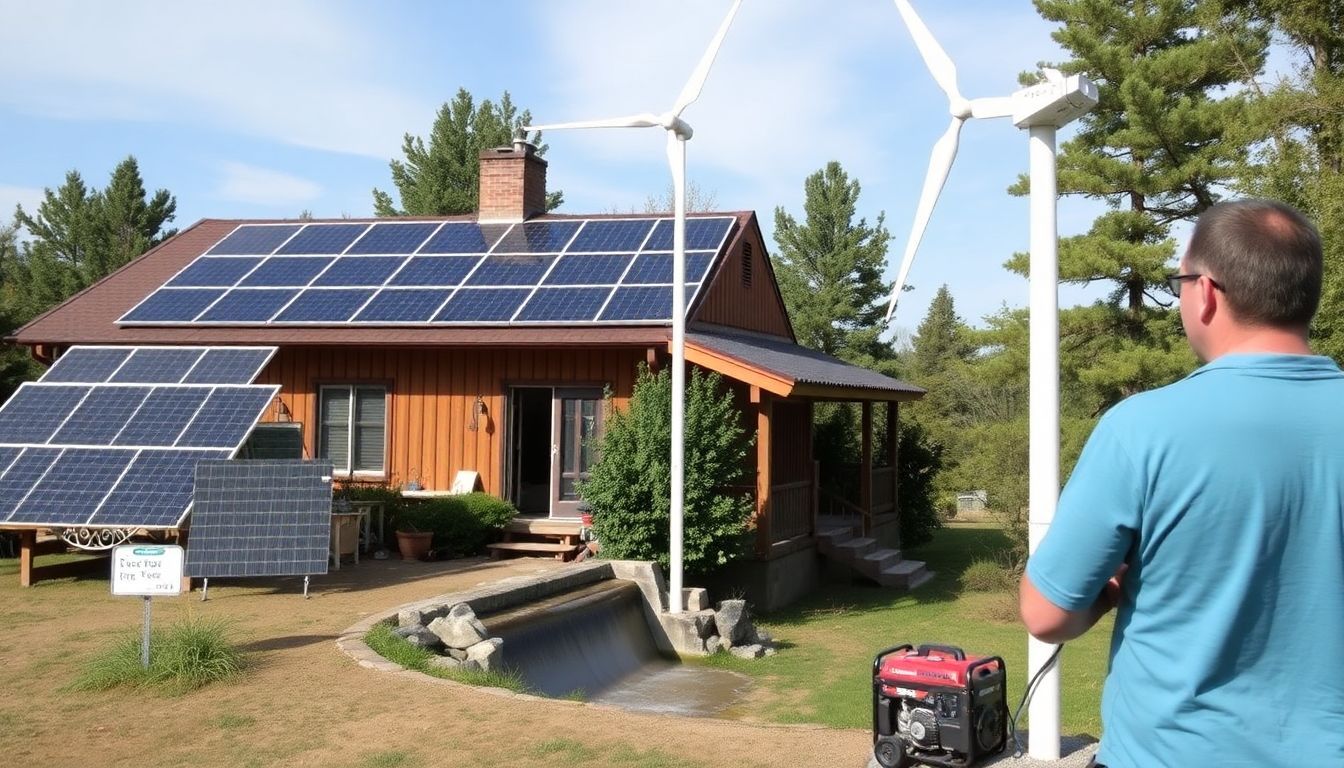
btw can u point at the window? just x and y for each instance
(353, 428)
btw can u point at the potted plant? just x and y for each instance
(412, 543)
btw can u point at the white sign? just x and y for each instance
(147, 570)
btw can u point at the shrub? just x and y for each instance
(629, 487)
(920, 459)
(183, 657)
(987, 576)
(462, 525)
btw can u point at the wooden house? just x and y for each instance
(412, 349)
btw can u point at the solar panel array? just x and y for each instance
(260, 518)
(566, 271)
(109, 436)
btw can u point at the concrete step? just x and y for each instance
(904, 574)
(853, 549)
(828, 540)
(878, 560)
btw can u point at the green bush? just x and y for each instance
(987, 576)
(183, 657)
(462, 525)
(629, 487)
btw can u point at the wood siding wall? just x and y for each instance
(730, 302)
(430, 397)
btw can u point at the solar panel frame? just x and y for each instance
(260, 518)
(157, 365)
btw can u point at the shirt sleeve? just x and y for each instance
(1095, 524)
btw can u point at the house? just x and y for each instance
(412, 349)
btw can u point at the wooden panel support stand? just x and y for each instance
(27, 551)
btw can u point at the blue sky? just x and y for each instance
(251, 109)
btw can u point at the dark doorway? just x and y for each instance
(531, 442)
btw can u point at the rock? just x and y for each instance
(732, 621)
(420, 637)
(487, 654)
(444, 662)
(770, 651)
(458, 653)
(460, 628)
(712, 645)
(752, 651)
(762, 637)
(695, 598)
(470, 666)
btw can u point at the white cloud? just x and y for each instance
(262, 186)
(10, 196)
(290, 71)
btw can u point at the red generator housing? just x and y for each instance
(937, 706)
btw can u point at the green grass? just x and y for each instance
(391, 759)
(229, 721)
(183, 657)
(386, 643)
(823, 673)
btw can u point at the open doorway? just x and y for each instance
(552, 439)
(531, 450)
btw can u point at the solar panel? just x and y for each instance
(165, 365)
(323, 238)
(272, 441)
(564, 304)
(393, 238)
(273, 281)
(86, 364)
(255, 240)
(260, 518)
(215, 271)
(113, 450)
(335, 305)
(643, 302)
(483, 305)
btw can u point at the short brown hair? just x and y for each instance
(1266, 256)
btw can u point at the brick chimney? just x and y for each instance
(513, 183)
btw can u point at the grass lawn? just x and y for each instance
(823, 672)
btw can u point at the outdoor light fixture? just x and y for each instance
(477, 409)
(282, 413)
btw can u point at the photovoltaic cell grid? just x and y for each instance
(110, 435)
(260, 518)
(453, 273)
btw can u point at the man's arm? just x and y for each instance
(1051, 624)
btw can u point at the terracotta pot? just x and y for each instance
(414, 545)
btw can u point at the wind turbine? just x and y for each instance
(678, 133)
(1041, 110)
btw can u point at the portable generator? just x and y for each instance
(937, 706)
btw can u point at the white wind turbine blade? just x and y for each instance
(940, 163)
(937, 60)
(691, 91)
(642, 120)
(1001, 106)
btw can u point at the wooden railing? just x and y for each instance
(884, 490)
(790, 510)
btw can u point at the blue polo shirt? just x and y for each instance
(1224, 492)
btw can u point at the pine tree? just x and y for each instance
(1156, 149)
(829, 270)
(941, 338)
(443, 178)
(130, 224)
(16, 365)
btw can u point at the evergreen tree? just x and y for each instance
(829, 270)
(941, 337)
(16, 365)
(1156, 150)
(443, 178)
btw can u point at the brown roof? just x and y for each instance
(89, 317)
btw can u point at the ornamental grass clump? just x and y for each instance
(183, 657)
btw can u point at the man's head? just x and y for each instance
(1262, 258)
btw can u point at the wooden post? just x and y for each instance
(814, 467)
(763, 474)
(27, 551)
(182, 542)
(651, 359)
(893, 457)
(866, 470)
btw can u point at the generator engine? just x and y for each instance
(937, 706)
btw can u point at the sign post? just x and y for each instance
(146, 570)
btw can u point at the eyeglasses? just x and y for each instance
(1174, 282)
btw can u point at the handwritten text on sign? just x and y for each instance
(147, 569)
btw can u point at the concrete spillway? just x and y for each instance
(594, 642)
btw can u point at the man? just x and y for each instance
(1211, 513)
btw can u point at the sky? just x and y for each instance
(252, 109)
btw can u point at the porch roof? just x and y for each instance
(786, 369)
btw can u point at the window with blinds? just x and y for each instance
(353, 428)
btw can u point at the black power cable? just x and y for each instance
(1026, 697)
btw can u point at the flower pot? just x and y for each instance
(414, 545)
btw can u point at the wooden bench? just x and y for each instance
(560, 551)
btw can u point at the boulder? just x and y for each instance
(420, 637)
(770, 650)
(487, 654)
(733, 622)
(460, 628)
(457, 653)
(712, 645)
(752, 651)
(444, 662)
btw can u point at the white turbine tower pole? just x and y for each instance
(1041, 110)
(678, 133)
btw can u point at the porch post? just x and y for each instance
(763, 474)
(893, 457)
(866, 469)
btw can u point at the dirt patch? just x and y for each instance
(303, 702)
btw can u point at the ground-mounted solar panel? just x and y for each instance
(260, 518)
(278, 281)
(86, 364)
(271, 441)
(112, 449)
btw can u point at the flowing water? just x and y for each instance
(593, 643)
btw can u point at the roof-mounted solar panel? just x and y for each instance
(393, 238)
(323, 239)
(254, 240)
